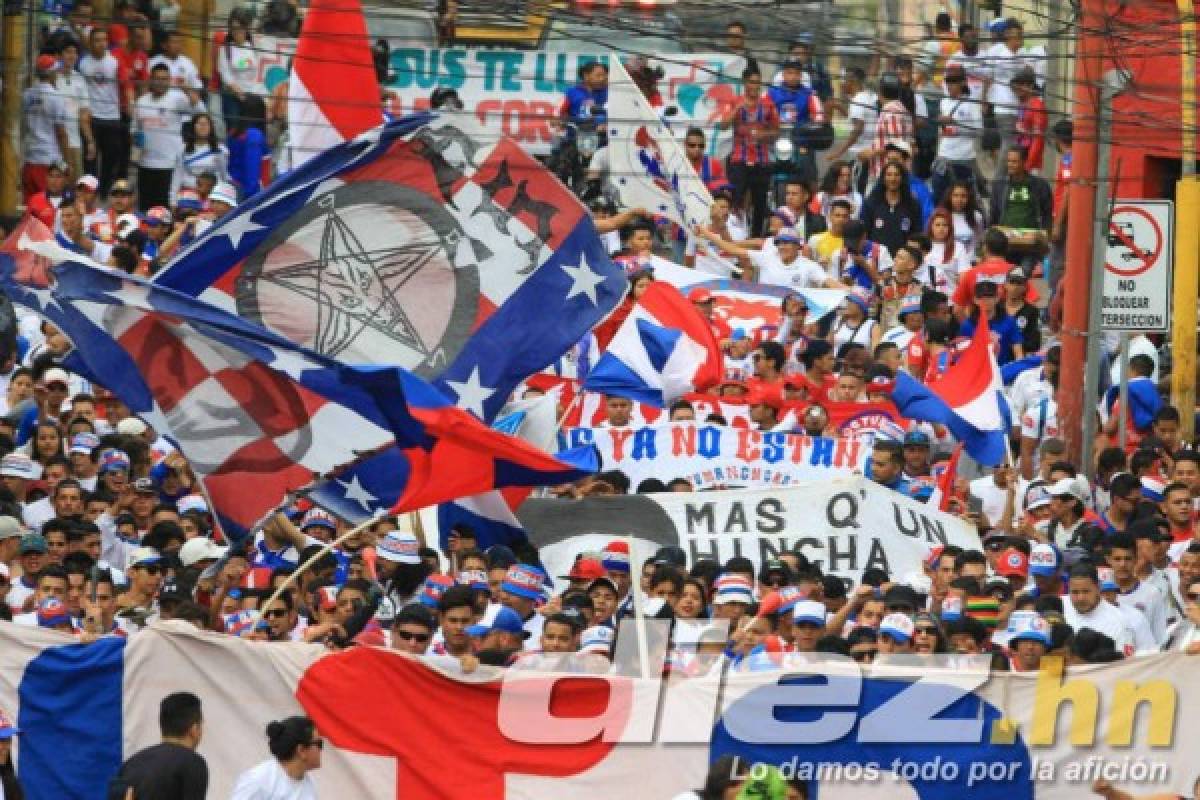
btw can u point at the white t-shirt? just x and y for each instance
(864, 106)
(1143, 638)
(184, 74)
(160, 120)
(103, 89)
(1040, 420)
(802, 273)
(1104, 618)
(238, 66)
(958, 263)
(1149, 600)
(993, 497)
(1028, 387)
(268, 781)
(73, 90)
(957, 141)
(977, 67)
(1004, 65)
(42, 111)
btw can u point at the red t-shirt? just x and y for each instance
(135, 72)
(964, 293)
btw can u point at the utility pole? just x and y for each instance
(13, 34)
(1187, 235)
(1089, 69)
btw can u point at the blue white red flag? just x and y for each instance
(967, 399)
(257, 416)
(333, 91)
(1144, 403)
(415, 245)
(649, 166)
(662, 351)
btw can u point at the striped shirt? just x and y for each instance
(745, 149)
(894, 123)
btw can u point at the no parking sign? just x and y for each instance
(1137, 267)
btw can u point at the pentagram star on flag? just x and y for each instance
(472, 394)
(583, 280)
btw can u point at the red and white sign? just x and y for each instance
(1137, 267)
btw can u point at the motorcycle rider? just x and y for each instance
(798, 106)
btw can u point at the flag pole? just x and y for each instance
(639, 615)
(328, 546)
(576, 400)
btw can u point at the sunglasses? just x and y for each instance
(275, 613)
(927, 630)
(409, 636)
(319, 744)
(864, 655)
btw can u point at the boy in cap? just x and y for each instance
(521, 591)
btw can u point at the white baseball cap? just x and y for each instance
(224, 193)
(199, 549)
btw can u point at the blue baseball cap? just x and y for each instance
(509, 621)
(524, 580)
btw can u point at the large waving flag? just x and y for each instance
(415, 245)
(257, 416)
(649, 167)
(663, 350)
(333, 91)
(967, 399)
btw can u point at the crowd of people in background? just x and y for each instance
(934, 212)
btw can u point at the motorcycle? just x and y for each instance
(794, 156)
(573, 155)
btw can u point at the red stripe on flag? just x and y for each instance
(170, 371)
(333, 60)
(972, 375)
(541, 201)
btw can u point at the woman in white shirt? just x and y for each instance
(946, 254)
(838, 184)
(296, 749)
(202, 152)
(969, 222)
(237, 64)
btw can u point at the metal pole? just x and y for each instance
(1099, 222)
(1187, 237)
(1124, 361)
(1088, 63)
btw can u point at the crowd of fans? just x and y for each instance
(104, 529)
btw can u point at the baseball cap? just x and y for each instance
(10, 528)
(131, 426)
(51, 612)
(1016, 275)
(608, 582)
(911, 304)
(144, 556)
(597, 639)
(860, 297)
(774, 565)
(32, 543)
(223, 193)
(898, 626)
(788, 235)
(201, 548)
(55, 375)
(1068, 487)
(523, 580)
(46, 63)
(88, 182)
(8, 726)
(899, 145)
(110, 461)
(901, 596)
(145, 486)
(19, 465)
(1107, 579)
(917, 439)
(158, 215)
(1043, 560)
(399, 547)
(615, 556)
(192, 502)
(672, 555)
(1028, 626)
(585, 569)
(121, 186)
(732, 589)
(761, 396)
(809, 611)
(432, 590)
(1012, 562)
(509, 621)
(475, 579)
(84, 443)
(319, 517)
(1036, 497)
(700, 295)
